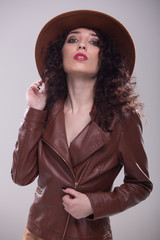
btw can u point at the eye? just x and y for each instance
(72, 40)
(95, 42)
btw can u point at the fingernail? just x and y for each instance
(64, 188)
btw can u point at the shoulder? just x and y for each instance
(129, 121)
(56, 108)
(132, 119)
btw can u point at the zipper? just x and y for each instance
(66, 226)
(63, 160)
(75, 186)
(75, 182)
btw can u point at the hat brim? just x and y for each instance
(93, 19)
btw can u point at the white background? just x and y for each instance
(20, 23)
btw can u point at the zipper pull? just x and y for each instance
(75, 185)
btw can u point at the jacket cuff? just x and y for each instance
(35, 116)
(98, 212)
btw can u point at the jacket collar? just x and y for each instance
(88, 141)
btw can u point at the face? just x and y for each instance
(81, 52)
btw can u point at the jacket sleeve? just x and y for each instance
(25, 156)
(136, 186)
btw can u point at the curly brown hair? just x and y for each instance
(114, 89)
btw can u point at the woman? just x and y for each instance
(80, 129)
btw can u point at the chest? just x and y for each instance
(74, 124)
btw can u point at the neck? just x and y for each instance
(80, 93)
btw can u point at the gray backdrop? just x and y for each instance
(20, 23)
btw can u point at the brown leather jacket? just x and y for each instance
(90, 165)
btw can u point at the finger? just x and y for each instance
(38, 87)
(41, 81)
(71, 192)
(42, 88)
(67, 203)
(38, 83)
(67, 209)
(34, 88)
(67, 199)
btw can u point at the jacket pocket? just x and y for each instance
(97, 229)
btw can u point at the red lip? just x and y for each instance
(80, 57)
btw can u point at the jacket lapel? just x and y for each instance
(54, 133)
(85, 144)
(90, 139)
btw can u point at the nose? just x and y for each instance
(81, 45)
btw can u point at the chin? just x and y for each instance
(81, 72)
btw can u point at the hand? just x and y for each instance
(76, 203)
(36, 98)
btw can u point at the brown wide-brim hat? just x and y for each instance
(70, 20)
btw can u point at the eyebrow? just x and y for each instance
(77, 32)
